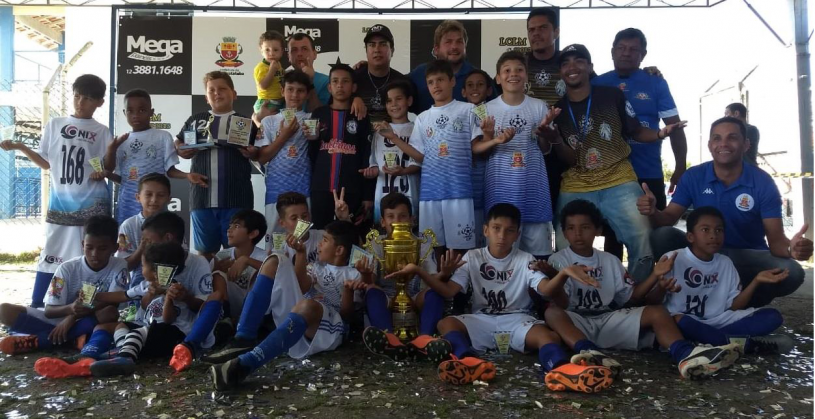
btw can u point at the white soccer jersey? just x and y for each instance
(499, 285)
(144, 152)
(708, 288)
(444, 135)
(616, 286)
(384, 151)
(69, 144)
(327, 283)
(245, 278)
(68, 279)
(314, 239)
(129, 239)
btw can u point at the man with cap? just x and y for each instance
(591, 125)
(375, 73)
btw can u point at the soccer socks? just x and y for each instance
(83, 326)
(552, 356)
(761, 322)
(459, 341)
(696, 331)
(119, 336)
(207, 318)
(98, 343)
(279, 341)
(376, 302)
(585, 345)
(134, 342)
(432, 311)
(680, 350)
(255, 306)
(41, 283)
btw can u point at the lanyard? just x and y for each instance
(581, 129)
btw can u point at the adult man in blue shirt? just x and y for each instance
(652, 101)
(751, 204)
(301, 56)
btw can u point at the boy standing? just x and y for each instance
(269, 75)
(477, 88)
(68, 145)
(227, 168)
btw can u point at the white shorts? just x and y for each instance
(536, 238)
(480, 240)
(452, 220)
(40, 315)
(482, 329)
(619, 329)
(236, 296)
(724, 319)
(61, 243)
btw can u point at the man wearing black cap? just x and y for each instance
(372, 77)
(593, 124)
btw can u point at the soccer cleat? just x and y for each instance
(232, 350)
(704, 361)
(228, 374)
(466, 370)
(770, 344)
(60, 368)
(580, 378)
(385, 344)
(594, 357)
(121, 365)
(432, 349)
(182, 357)
(14, 345)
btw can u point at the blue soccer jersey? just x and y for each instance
(144, 152)
(290, 169)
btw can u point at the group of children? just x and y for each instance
(331, 168)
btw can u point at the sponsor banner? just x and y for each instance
(154, 53)
(500, 36)
(324, 32)
(226, 44)
(421, 41)
(169, 113)
(352, 48)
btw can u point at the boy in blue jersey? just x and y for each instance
(477, 88)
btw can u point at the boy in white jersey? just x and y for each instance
(599, 309)
(501, 276)
(76, 192)
(68, 313)
(516, 172)
(443, 135)
(141, 151)
(284, 149)
(317, 322)
(703, 292)
(477, 88)
(393, 161)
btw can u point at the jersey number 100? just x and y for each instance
(73, 165)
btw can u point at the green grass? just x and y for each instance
(20, 258)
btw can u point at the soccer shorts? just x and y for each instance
(61, 243)
(536, 238)
(482, 329)
(619, 329)
(453, 221)
(209, 227)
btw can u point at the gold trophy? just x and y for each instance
(400, 249)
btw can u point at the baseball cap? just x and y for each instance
(577, 50)
(380, 30)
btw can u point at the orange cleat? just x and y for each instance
(580, 378)
(385, 344)
(182, 358)
(433, 349)
(466, 370)
(13, 345)
(59, 368)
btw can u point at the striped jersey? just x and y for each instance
(290, 169)
(382, 149)
(444, 135)
(144, 152)
(228, 172)
(341, 150)
(516, 172)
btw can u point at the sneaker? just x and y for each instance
(432, 349)
(182, 357)
(707, 360)
(385, 344)
(466, 370)
(770, 344)
(594, 357)
(14, 345)
(121, 365)
(228, 374)
(60, 368)
(224, 331)
(580, 378)
(233, 349)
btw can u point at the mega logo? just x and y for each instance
(71, 132)
(314, 33)
(153, 50)
(694, 278)
(489, 273)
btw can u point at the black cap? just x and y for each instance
(380, 30)
(577, 50)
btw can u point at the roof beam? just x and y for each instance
(48, 32)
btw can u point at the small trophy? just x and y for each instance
(240, 131)
(165, 274)
(96, 164)
(480, 111)
(278, 242)
(302, 227)
(311, 127)
(288, 115)
(88, 294)
(390, 159)
(502, 341)
(358, 253)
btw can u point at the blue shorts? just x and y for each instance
(209, 226)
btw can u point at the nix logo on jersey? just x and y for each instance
(71, 132)
(489, 273)
(695, 278)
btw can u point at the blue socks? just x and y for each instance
(460, 343)
(41, 283)
(680, 350)
(761, 322)
(431, 314)
(696, 331)
(584, 345)
(254, 308)
(552, 356)
(279, 341)
(98, 343)
(207, 318)
(376, 302)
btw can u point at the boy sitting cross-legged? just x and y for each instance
(703, 292)
(599, 308)
(501, 277)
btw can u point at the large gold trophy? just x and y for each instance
(400, 249)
